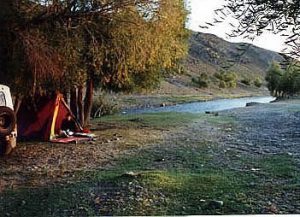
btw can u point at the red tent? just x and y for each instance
(43, 120)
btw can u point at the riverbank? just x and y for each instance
(239, 162)
(164, 98)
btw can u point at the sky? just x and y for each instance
(203, 11)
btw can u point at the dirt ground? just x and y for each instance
(35, 164)
(252, 134)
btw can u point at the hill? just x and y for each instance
(208, 55)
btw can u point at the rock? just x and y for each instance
(252, 104)
(216, 204)
(212, 113)
(136, 120)
(273, 208)
(159, 160)
(131, 174)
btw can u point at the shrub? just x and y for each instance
(227, 79)
(222, 84)
(201, 81)
(246, 81)
(103, 105)
(258, 82)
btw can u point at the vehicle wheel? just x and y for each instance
(7, 120)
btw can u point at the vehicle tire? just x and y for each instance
(7, 120)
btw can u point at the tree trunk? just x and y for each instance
(74, 102)
(66, 96)
(88, 102)
(80, 105)
(17, 104)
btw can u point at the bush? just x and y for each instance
(222, 84)
(227, 79)
(258, 82)
(246, 81)
(103, 105)
(201, 81)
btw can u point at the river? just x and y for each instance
(201, 107)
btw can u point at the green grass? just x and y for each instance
(279, 166)
(178, 178)
(155, 120)
(177, 188)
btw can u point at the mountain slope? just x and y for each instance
(215, 53)
(209, 54)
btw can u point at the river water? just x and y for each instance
(201, 107)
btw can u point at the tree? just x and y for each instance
(283, 82)
(73, 45)
(273, 78)
(290, 81)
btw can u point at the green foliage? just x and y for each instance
(246, 81)
(257, 82)
(222, 84)
(201, 81)
(226, 79)
(283, 82)
(120, 47)
(104, 105)
(273, 78)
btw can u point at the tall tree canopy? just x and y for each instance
(69, 45)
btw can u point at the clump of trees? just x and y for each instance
(76, 46)
(257, 82)
(283, 82)
(226, 79)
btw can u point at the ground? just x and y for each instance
(241, 161)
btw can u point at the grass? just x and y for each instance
(171, 190)
(152, 120)
(179, 177)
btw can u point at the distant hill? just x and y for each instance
(209, 53)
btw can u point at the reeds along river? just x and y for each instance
(201, 107)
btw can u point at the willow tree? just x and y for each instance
(75, 45)
(135, 47)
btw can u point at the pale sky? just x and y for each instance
(203, 11)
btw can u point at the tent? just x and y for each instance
(43, 120)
